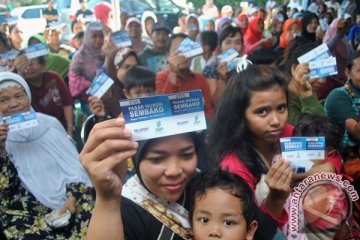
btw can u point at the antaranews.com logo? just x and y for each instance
(321, 201)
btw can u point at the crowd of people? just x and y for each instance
(227, 182)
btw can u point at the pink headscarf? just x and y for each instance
(340, 49)
(102, 12)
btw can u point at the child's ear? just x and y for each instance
(251, 230)
(126, 93)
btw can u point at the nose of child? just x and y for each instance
(215, 231)
(274, 120)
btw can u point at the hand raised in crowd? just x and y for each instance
(105, 155)
(174, 60)
(222, 70)
(21, 64)
(108, 48)
(96, 106)
(300, 84)
(4, 129)
(278, 179)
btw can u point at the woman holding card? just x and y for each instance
(86, 61)
(40, 171)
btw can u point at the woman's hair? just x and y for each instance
(355, 55)
(41, 59)
(263, 56)
(297, 48)
(139, 76)
(313, 125)
(231, 183)
(110, 67)
(75, 21)
(229, 31)
(5, 40)
(229, 132)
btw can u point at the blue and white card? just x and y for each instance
(21, 121)
(121, 39)
(301, 151)
(189, 48)
(100, 85)
(9, 55)
(56, 26)
(229, 56)
(318, 53)
(36, 50)
(164, 115)
(12, 20)
(323, 68)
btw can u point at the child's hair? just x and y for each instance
(313, 125)
(355, 55)
(263, 56)
(139, 76)
(75, 21)
(229, 31)
(210, 39)
(226, 181)
(174, 36)
(229, 132)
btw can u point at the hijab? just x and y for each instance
(252, 35)
(283, 41)
(45, 158)
(88, 59)
(240, 19)
(305, 21)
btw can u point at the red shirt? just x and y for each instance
(194, 82)
(51, 96)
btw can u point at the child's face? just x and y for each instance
(168, 166)
(138, 91)
(219, 215)
(129, 62)
(267, 115)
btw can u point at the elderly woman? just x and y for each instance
(39, 172)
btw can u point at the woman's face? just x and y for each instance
(210, 26)
(292, 31)
(16, 35)
(355, 73)
(267, 114)
(244, 22)
(54, 38)
(168, 166)
(78, 27)
(134, 30)
(129, 62)
(233, 42)
(149, 23)
(13, 100)
(33, 71)
(312, 26)
(97, 39)
(260, 27)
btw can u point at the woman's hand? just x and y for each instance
(105, 155)
(278, 179)
(70, 205)
(96, 106)
(4, 129)
(222, 70)
(21, 63)
(300, 84)
(108, 48)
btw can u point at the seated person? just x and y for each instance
(41, 171)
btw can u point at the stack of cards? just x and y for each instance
(36, 50)
(301, 151)
(164, 115)
(100, 85)
(229, 56)
(321, 62)
(121, 39)
(21, 121)
(189, 48)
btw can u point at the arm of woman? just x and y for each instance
(104, 157)
(353, 128)
(69, 119)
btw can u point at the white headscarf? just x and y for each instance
(44, 156)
